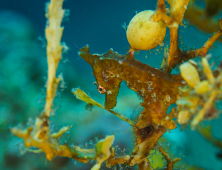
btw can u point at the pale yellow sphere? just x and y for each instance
(143, 34)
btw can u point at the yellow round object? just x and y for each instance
(143, 34)
(190, 74)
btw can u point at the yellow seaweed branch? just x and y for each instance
(81, 95)
(53, 34)
(204, 93)
(39, 133)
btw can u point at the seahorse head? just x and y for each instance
(107, 80)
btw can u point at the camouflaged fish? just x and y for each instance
(157, 88)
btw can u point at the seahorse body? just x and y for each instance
(158, 89)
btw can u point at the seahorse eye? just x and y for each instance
(101, 89)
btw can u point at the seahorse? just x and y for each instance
(158, 89)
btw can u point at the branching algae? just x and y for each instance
(194, 91)
(204, 18)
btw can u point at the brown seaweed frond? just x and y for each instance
(204, 18)
(170, 161)
(173, 21)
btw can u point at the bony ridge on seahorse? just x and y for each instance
(157, 88)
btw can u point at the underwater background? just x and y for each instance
(23, 72)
